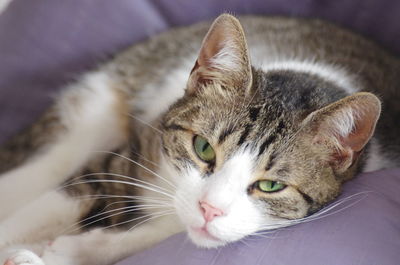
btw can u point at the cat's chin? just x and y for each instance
(204, 239)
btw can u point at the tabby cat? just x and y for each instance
(247, 139)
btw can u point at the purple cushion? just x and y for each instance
(364, 229)
(46, 43)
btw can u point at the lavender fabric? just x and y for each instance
(45, 44)
(363, 230)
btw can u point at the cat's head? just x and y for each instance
(252, 150)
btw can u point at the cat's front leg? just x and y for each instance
(89, 117)
(43, 219)
(103, 247)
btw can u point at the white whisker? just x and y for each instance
(123, 210)
(154, 216)
(133, 201)
(120, 182)
(145, 123)
(158, 214)
(134, 219)
(136, 208)
(140, 165)
(145, 159)
(321, 214)
(115, 175)
(134, 198)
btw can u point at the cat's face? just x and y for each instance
(239, 156)
(245, 159)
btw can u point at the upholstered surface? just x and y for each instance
(364, 229)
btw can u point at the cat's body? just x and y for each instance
(286, 119)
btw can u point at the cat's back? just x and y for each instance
(155, 72)
(270, 39)
(169, 57)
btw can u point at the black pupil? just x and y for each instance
(205, 146)
(273, 184)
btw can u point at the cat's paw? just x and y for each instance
(23, 257)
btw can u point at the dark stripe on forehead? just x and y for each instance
(271, 162)
(253, 113)
(272, 137)
(266, 143)
(245, 133)
(280, 127)
(225, 133)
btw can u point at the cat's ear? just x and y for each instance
(345, 127)
(223, 57)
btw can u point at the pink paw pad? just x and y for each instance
(9, 262)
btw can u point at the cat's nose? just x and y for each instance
(209, 212)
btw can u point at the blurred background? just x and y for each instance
(45, 44)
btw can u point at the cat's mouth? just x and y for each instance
(203, 231)
(202, 237)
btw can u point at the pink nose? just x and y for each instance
(209, 212)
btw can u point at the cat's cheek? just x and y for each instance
(186, 199)
(243, 220)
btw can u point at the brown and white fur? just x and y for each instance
(293, 101)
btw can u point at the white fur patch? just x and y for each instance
(332, 73)
(23, 257)
(42, 219)
(227, 191)
(342, 123)
(87, 110)
(103, 247)
(227, 59)
(157, 97)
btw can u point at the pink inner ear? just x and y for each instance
(356, 141)
(346, 126)
(364, 125)
(223, 58)
(211, 46)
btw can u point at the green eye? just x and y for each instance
(203, 149)
(270, 186)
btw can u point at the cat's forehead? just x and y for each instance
(265, 120)
(266, 138)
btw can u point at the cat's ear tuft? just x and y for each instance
(346, 125)
(223, 57)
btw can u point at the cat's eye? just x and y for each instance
(203, 149)
(270, 185)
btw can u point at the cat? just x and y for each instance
(262, 131)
